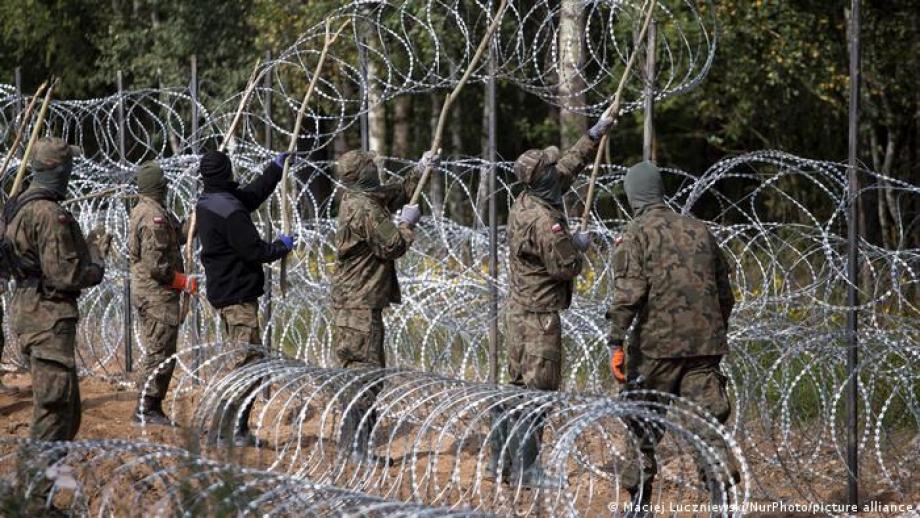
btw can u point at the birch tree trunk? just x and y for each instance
(571, 83)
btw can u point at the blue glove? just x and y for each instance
(280, 158)
(287, 241)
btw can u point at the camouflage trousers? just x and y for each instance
(241, 326)
(55, 388)
(160, 343)
(697, 379)
(358, 334)
(534, 343)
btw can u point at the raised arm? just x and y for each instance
(257, 191)
(386, 240)
(574, 160)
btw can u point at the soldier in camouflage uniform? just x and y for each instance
(671, 276)
(364, 282)
(54, 262)
(157, 276)
(544, 259)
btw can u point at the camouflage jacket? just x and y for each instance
(670, 273)
(47, 238)
(543, 262)
(367, 244)
(154, 238)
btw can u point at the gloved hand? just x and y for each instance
(99, 243)
(617, 362)
(410, 215)
(581, 240)
(280, 158)
(429, 159)
(600, 128)
(288, 241)
(186, 283)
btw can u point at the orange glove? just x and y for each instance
(617, 361)
(186, 283)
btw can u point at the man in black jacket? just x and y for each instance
(233, 254)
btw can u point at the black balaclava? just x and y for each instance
(217, 172)
(547, 186)
(368, 178)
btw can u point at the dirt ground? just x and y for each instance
(108, 405)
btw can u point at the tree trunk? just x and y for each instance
(571, 83)
(402, 115)
(376, 117)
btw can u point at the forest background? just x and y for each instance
(779, 81)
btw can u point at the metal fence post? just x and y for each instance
(267, 222)
(852, 261)
(491, 156)
(122, 160)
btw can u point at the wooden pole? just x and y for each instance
(36, 131)
(445, 108)
(613, 111)
(292, 146)
(23, 123)
(648, 134)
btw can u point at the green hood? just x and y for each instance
(643, 186)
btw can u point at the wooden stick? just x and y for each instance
(292, 146)
(22, 126)
(613, 111)
(193, 222)
(445, 108)
(36, 131)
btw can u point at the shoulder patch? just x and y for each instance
(617, 241)
(557, 229)
(63, 219)
(159, 220)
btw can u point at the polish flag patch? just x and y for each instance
(63, 219)
(618, 240)
(557, 229)
(159, 220)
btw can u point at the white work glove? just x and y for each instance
(429, 159)
(410, 215)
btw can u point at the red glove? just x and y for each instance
(617, 361)
(186, 283)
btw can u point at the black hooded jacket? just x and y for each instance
(231, 249)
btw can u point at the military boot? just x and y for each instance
(526, 466)
(498, 438)
(356, 437)
(640, 500)
(227, 427)
(150, 411)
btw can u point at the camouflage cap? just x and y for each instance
(51, 152)
(348, 167)
(533, 161)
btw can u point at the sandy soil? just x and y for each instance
(108, 405)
